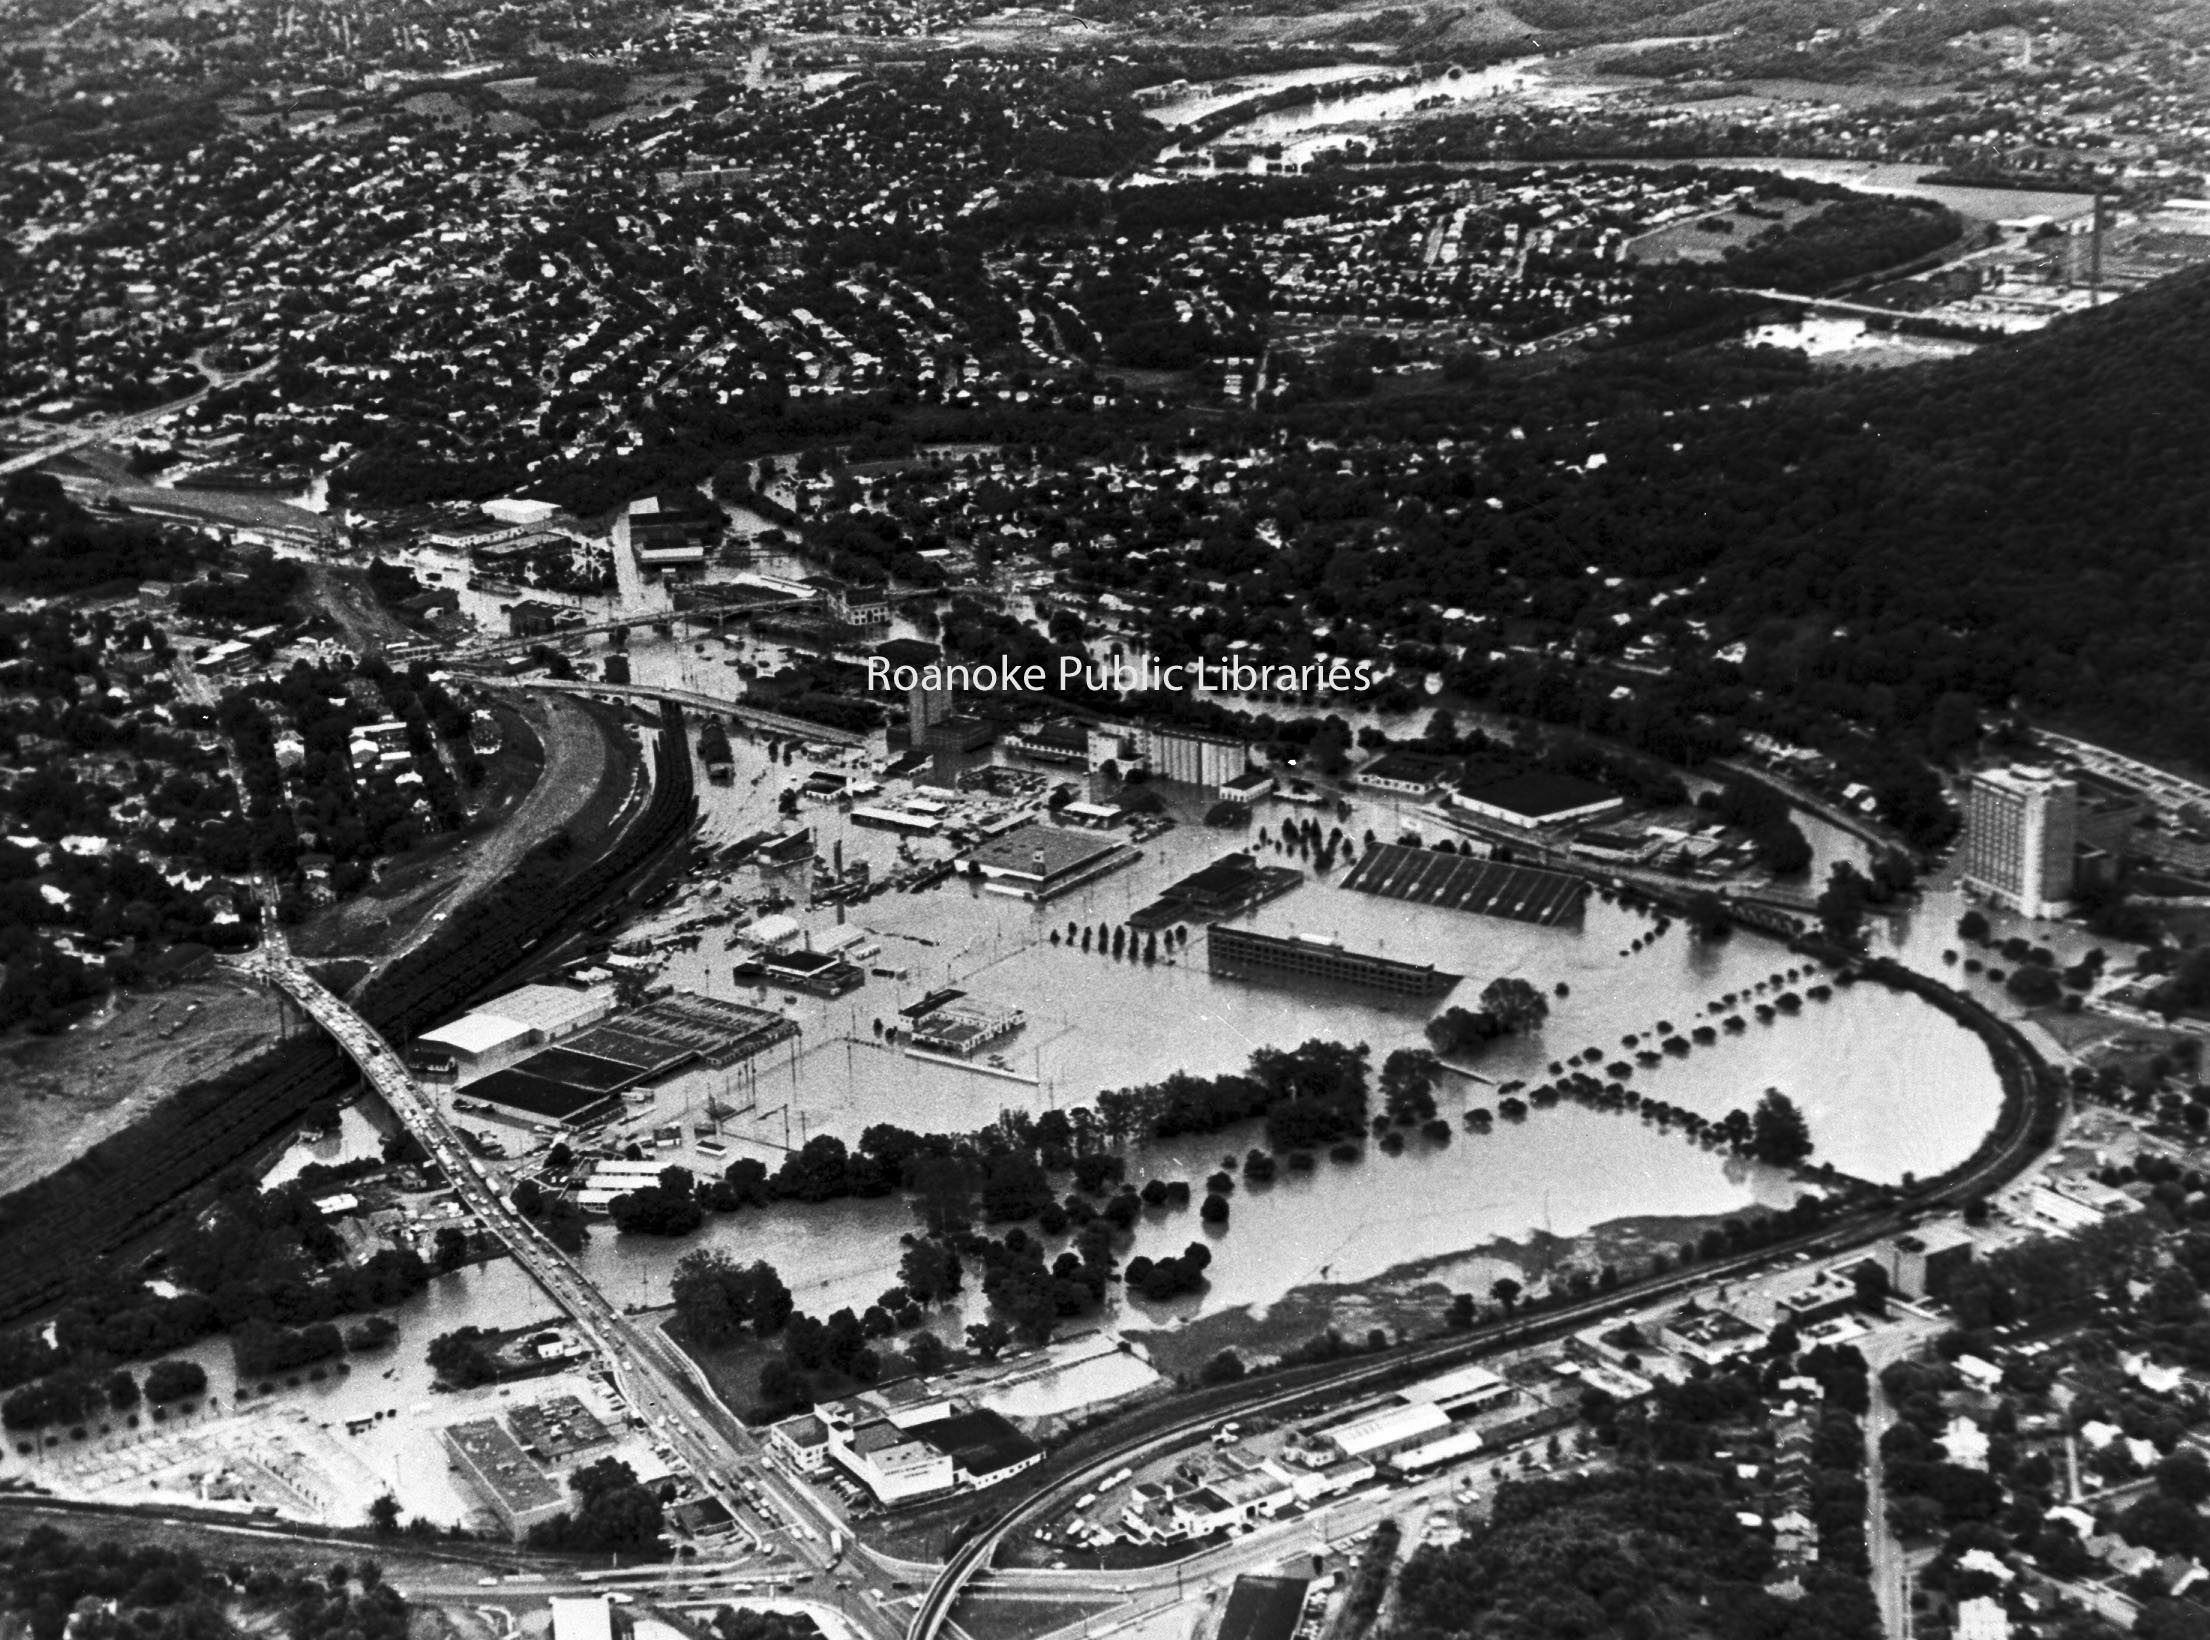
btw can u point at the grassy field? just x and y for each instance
(1685, 241)
(62, 1094)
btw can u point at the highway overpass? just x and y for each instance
(771, 722)
(654, 1380)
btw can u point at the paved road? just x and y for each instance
(576, 759)
(650, 1375)
(774, 722)
(1891, 1574)
(1829, 304)
(195, 688)
(116, 427)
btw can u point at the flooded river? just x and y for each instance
(1888, 1085)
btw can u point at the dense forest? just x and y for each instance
(1645, 1551)
(50, 547)
(52, 1584)
(2021, 523)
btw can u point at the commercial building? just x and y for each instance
(520, 509)
(551, 1012)
(1467, 1390)
(1459, 1443)
(588, 1617)
(1090, 816)
(874, 1436)
(2108, 814)
(1233, 884)
(802, 1443)
(1234, 1499)
(2020, 831)
(925, 708)
(963, 1029)
(1537, 800)
(659, 541)
(1925, 1262)
(911, 825)
(890, 1463)
(1832, 1292)
(1243, 953)
(774, 932)
(849, 604)
(1263, 1608)
(1057, 741)
(1196, 757)
(1040, 862)
(1383, 1434)
(814, 972)
(1248, 787)
(1709, 1336)
(959, 732)
(559, 1428)
(502, 1475)
(476, 1042)
(984, 1448)
(535, 618)
(508, 1026)
(908, 1440)
(1407, 774)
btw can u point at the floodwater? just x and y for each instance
(1818, 336)
(1309, 127)
(386, 1392)
(359, 1137)
(1888, 1085)
(1865, 176)
(1199, 101)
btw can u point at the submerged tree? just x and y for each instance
(1778, 1132)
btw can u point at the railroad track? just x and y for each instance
(131, 1184)
(2034, 1102)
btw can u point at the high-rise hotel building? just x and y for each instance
(2021, 827)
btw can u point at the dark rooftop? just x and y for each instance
(1538, 795)
(980, 1442)
(1263, 1608)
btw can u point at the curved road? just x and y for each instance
(122, 426)
(2004, 1160)
(774, 722)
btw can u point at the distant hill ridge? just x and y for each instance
(2030, 520)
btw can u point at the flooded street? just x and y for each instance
(1888, 1085)
(1326, 122)
(326, 1447)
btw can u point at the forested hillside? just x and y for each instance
(114, 1589)
(1637, 1553)
(2029, 521)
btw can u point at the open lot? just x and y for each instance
(62, 1094)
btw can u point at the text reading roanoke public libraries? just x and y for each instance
(1073, 672)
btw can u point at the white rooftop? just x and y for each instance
(549, 1008)
(1450, 1386)
(1385, 1428)
(586, 1618)
(476, 1034)
(772, 930)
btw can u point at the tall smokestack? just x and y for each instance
(2095, 256)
